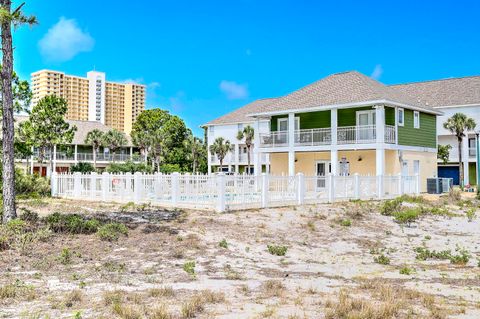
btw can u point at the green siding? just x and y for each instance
(472, 173)
(389, 116)
(425, 136)
(320, 119)
(348, 117)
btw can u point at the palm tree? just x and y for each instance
(114, 140)
(457, 125)
(195, 148)
(220, 148)
(94, 138)
(142, 140)
(247, 133)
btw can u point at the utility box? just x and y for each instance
(439, 185)
(434, 186)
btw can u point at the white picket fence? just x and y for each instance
(228, 192)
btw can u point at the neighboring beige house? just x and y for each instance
(92, 98)
(64, 156)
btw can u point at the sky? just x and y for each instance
(202, 59)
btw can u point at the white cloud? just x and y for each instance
(233, 90)
(377, 72)
(64, 40)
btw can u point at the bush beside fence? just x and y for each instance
(228, 192)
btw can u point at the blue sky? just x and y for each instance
(201, 59)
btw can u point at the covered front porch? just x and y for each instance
(362, 162)
(365, 162)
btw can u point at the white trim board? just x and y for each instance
(342, 106)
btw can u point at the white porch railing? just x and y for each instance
(228, 192)
(356, 134)
(363, 134)
(274, 139)
(312, 137)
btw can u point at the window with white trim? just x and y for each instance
(416, 119)
(401, 117)
(211, 130)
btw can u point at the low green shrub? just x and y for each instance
(189, 267)
(112, 231)
(461, 258)
(27, 184)
(82, 167)
(346, 222)
(423, 254)
(19, 234)
(223, 243)
(71, 223)
(277, 250)
(406, 271)
(381, 259)
(407, 216)
(129, 167)
(390, 207)
(470, 214)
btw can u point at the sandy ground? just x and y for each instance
(325, 261)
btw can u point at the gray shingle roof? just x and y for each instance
(240, 115)
(445, 92)
(83, 127)
(341, 88)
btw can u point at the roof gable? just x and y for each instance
(340, 88)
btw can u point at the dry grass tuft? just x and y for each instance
(161, 292)
(126, 311)
(272, 288)
(194, 306)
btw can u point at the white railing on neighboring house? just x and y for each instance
(228, 192)
(313, 137)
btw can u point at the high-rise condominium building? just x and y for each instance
(92, 98)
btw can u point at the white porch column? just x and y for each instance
(380, 123)
(237, 156)
(334, 125)
(465, 156)
(334, 161)
(291, 144)
(291, 130)
(75, 154)
(257, 164)
(291, 163)
(334, 150)
(131, 153)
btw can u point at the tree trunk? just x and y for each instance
(460, 163)
(221, 164)
(94, 157)
(248, 159)
(8, 176)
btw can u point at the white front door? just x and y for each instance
(322, 169)
(366, 125)
(404, 168)
(416, 167)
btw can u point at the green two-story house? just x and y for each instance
(348, 123)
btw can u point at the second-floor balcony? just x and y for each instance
(88, 157)
(242, 159)
(364, 134)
